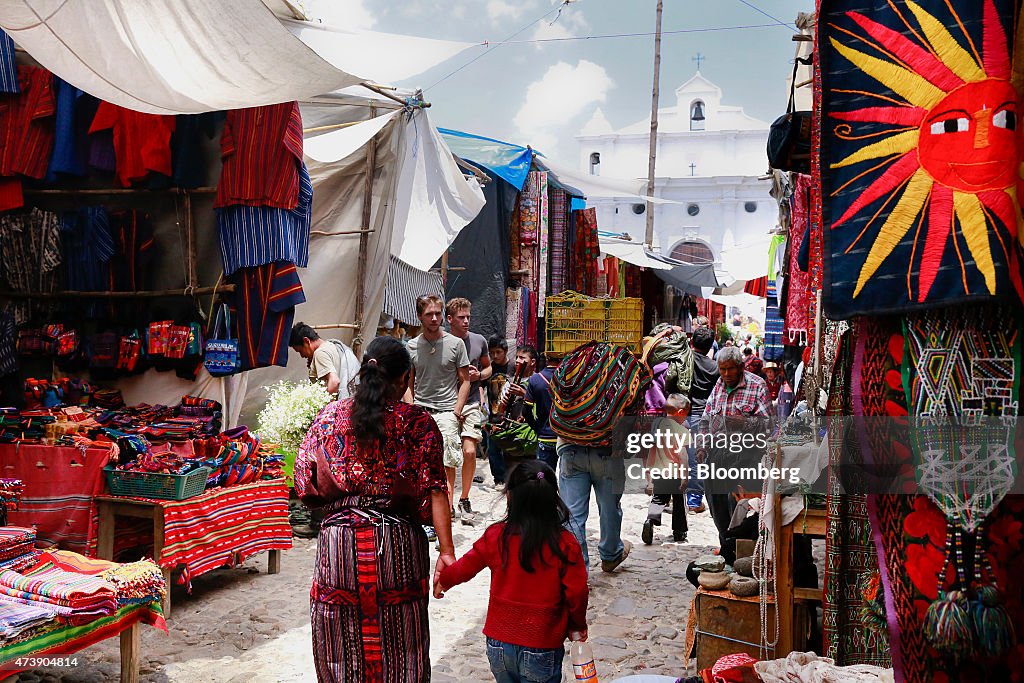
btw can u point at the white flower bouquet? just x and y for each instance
(289, 413)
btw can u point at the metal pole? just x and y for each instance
(649, 239)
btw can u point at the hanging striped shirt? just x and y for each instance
(261, 148)
(27, 124)
(257, 235)
(404, 285)
(8, 69)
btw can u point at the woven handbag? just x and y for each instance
(222, 356)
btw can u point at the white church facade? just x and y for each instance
(709, 160)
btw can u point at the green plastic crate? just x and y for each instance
(156, 484)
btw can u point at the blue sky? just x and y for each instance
(542, 93)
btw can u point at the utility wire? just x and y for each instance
(775, 19)
(709, 29)
(491, 49)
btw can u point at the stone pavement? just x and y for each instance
(244, 626)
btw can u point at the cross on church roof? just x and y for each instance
(699, 58)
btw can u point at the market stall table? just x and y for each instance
(222, 526)
(56, 645)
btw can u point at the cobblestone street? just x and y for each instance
(244, 626)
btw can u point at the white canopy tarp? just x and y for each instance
(434, 201)
(338, 144)
(747, 260)
(631, 252)
(193, 56)
(601, 186)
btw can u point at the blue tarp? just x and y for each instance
(509, 162)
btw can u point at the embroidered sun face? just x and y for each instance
(948, 160)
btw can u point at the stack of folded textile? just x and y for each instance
(76, 598)
(17, 547)
(16, 617)
(11, 491)
(134, 582)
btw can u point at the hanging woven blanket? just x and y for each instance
(920, 153)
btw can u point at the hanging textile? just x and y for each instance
(8, 67)
(513, 316)
(797, 279)
(75, 113)
(524, 248)
(962, 362)
(587, 251)
(559, 225)
(920, 154)
(611, 268)
(257, 235)
(262, 152)
(631, 280)
(543, 236)
(757, 287)
(265, 300)
(853, 617)
(773, 326)
(142, 142)
(31, 259)
(404, 285)
(27, 124)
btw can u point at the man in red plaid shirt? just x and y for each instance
(734, 403)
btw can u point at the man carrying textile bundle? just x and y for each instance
(592, 388)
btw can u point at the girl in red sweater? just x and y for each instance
(538, 580)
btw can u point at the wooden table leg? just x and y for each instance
(105, 531)
(158, 549)
(784, 603)
(274, 562)
(130, 654)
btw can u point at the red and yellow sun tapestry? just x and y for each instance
(921, 153)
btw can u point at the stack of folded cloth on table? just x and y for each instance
(134, 582)
(17, 547)
(76, 598)
(16, 617)
(11, 491)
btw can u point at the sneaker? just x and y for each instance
(431, 534)
(499, 486)
(611, 565)
(478, 479)
(647, 535)
(466, 512)
(679, 538)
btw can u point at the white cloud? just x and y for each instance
(498, 10)
(346, 13)
(560, 95)
(568, 24)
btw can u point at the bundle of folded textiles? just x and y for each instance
(59, 424)
(72, 589)
(235, 457)
(17, 548)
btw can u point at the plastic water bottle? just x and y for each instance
(582, 657)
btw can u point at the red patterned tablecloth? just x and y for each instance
(210, 530)
(60, 483)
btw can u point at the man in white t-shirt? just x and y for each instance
(329, 361)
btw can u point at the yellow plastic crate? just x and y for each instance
(573, 319)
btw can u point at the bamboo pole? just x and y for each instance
(337, 326)
(343, 232)
(120, 190)
(364, 237)
(146, 294)
(653, 145)
(192, 265)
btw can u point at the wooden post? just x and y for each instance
(192, 254)
(364, 237)
(444, 272)
(649, 238)
(130, 652)
(105, 531)
(274, 562)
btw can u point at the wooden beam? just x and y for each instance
(337, 326)
(198, 291)
(364, 237)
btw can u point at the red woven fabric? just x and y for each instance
(262, 149)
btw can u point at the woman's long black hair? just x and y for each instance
(535, 513)
(384, 361)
